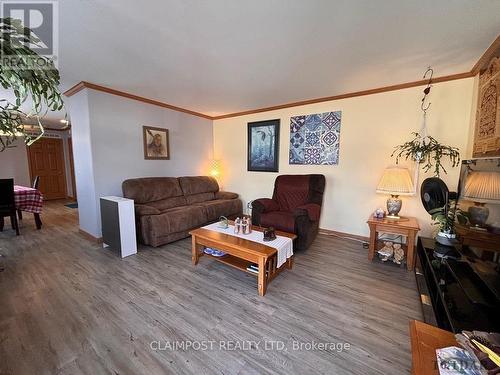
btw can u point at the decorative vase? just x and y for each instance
(394, 204)
(478, 214)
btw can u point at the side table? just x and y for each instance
(481, 239)
(406, 226)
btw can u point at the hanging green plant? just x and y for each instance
(423, 148)
(27, 75)
(428, 152)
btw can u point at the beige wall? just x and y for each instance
(371, 126)
(103, 123)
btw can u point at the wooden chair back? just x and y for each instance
(7, 203)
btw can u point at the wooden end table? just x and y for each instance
(240, 253)
(406, 226)
(425, 339)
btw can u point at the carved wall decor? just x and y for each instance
(487, 131)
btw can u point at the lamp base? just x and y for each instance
(393, 207)
(393, 217)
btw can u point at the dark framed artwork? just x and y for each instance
(263, 146)
(156, 146)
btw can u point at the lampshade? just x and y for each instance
(483, 187)
(395, 181)
(215, 168)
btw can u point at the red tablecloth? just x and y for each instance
(28, 199)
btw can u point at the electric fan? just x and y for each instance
(435, 195)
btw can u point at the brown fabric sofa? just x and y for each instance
(167, 208)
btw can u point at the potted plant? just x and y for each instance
(29, 76)
(444, 218)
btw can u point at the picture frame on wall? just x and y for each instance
(263, 146)
(156, 145)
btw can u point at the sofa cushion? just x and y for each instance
(176, 219)
(198, 184)
(225, 195)
(141, 210)
(150, 189)
(280, 220)
(202, 197)
(221, 207)
(168, 203)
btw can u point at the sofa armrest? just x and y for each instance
(312, 210)
(225, 195)
(142, 209)
(265, 205)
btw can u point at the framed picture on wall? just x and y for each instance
(263, 146)
(156, 146)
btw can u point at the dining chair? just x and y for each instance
(35, 184)
(7, 204)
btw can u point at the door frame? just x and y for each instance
(71, 159)
(61, 140)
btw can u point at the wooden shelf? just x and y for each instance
(233, 261)
(380, 245)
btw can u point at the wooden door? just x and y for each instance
(46, 159)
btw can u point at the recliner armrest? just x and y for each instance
(312, 210)
(225, 195)
(142, 209)
(265, 205)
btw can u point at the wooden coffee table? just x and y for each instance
(240, 253)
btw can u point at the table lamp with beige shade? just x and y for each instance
(481, 187)
(395, 181)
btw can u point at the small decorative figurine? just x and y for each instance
(269, 234)
(387, 251)
(399, 253)
(379, 213)
(243, 225)
(237, 226)
(223, 222)
(247, 220)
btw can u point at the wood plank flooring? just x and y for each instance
(67, 306)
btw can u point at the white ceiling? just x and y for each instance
(223, 56)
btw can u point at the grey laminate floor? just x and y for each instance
(69, 307)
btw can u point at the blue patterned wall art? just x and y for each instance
(315, 139)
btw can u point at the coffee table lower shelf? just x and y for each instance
(235, 262)
(240, 253)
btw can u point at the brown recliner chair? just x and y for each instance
(294, 208)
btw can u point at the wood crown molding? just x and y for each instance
(480, 64)
(82, 85)
(350, 95)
